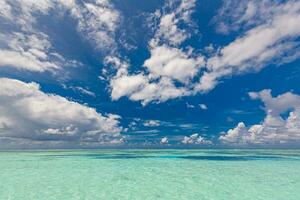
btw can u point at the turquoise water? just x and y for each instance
(151, 174)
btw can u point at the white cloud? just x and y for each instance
(274, 130)
(143, 88)
(23, 13)
(151, 123)
(24, 46)
(203, 106)
(164, 140)
(237, 53)
(189, 105)
(28, 52)
(277, 44)
(152, 132)
(28, 113)
(276, 28)
(167, 64)
(160, 91)
(241, 15)
(97, 22)
(235, 135)
(85, 91)
(195, 139)
(172, 68)
(173, 63)
(168, 31)
(127, 85)
(21, 45)
(79, 89)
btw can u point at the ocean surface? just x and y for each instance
(150, 174)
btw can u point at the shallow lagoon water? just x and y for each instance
(150, 174)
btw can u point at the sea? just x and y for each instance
(215, 174)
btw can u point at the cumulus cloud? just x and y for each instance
(164, 140)
(167, 65)
(275, 25)
(30, 114)
(127, 85)
(172, 63)
(141, 87)
(275, 129)
(195, 139)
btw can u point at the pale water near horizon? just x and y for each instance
(150, 174)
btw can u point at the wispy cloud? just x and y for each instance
(25, 45)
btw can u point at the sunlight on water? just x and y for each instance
(151, 174)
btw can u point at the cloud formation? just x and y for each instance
(97, 22)
(164, 140)
(276, 32)
(25, 44)
(30, 114)
(168, 63)
(172, 17)
(275, 129)
(265, 33)
(203, 106)
(195, 139)
(174, 70)
(152, 123)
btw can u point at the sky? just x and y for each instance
(142, 74)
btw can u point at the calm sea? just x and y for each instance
(150, 174)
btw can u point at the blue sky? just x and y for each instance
(92, 74)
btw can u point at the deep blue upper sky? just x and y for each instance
(168, 69)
